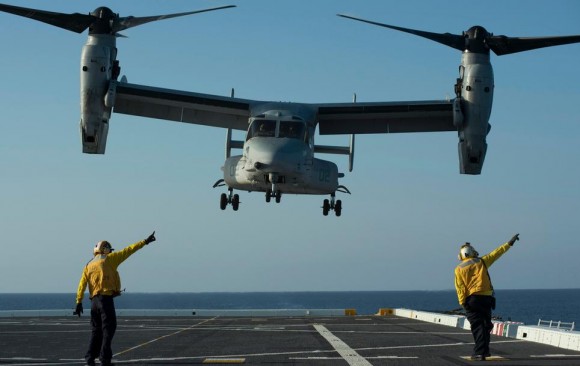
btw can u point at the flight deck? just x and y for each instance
(315, 340)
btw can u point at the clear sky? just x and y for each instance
(410, 209)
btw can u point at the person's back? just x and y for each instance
(475, 292)
(104, 283)
(102, 277)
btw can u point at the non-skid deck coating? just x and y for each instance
(345, 340)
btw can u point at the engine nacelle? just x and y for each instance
(472, 110)
(94, 136)
(471, 156)
(98, 91)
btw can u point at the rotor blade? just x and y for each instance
(448, 39)
(503, 45)
(75, 22)
(129, 22)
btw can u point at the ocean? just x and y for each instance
(527, 306)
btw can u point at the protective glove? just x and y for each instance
(150, 238)
(514, 239)
(78, 309)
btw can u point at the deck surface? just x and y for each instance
(343, 340)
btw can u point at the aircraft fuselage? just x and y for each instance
(278, 156)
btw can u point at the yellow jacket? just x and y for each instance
(471, 277)
(101, 273)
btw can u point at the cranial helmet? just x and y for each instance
(102, 247)
(467, 251)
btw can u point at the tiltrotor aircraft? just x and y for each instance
(278, 153)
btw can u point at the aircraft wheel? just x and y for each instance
(223, 201)
(325, 207)
(278, 196)
(236, 202)
(338, 207)
(268, 195)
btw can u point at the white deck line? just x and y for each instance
(182, 312)
(348, 354)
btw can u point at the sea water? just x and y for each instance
(527, 306)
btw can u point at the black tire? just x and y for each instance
(278, 196)
(236, 202)
(268, 195)
(223, 201)
(325, 207)
(338, 208)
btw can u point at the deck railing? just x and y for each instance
(556, 324)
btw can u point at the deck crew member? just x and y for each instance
(475, 292)
(104, 284)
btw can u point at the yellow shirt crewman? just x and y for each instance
(101, 275)
(475, 293)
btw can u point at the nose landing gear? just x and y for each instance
(274, 191)
(277, 194)
(230, 198)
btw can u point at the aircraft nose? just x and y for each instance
(273, 155)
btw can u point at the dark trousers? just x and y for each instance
(478, 311)
(104, 324)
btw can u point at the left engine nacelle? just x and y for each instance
(94, 138)
(472, 110)
(98, 86)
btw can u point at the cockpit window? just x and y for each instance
(293, 130)
(286, 129)
(262, 128)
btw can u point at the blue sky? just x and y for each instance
(409, 211)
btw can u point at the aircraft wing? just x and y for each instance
(385, 117)
(181, 106)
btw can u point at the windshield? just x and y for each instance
(293, 130)
(262, 128)
(267, 128)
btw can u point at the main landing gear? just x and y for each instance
(229, 198)
(331, 204)
(233, 199)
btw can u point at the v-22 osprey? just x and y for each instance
(278, 152)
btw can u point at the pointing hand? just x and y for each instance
(514, 239)
(150, 238)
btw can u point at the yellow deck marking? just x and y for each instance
(224, 360)
(490, 358)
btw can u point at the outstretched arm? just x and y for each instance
(116, 258)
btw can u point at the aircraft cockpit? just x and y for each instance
(293, 129)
